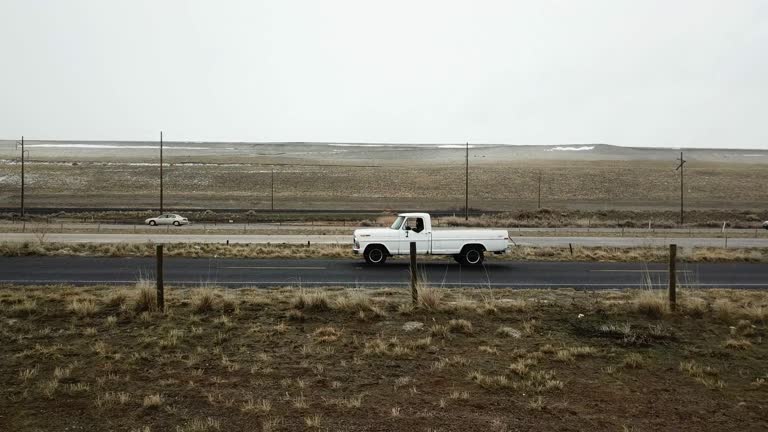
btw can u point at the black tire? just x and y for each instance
(176, 223)
(375, 255)
(152, 223)
(472, 256)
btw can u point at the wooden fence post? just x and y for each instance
(160, 287)
(673, 277)
(414, 275)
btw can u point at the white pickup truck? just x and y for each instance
(467, 246)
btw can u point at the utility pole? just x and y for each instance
(22, 176)
(466, 184)
(680, 167)
(272, 206)
(161, 172)
(539, 189)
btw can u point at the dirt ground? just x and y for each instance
(100, 358)
(586, 185)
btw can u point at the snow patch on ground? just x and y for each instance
(359, 145)
(9, 179)
(118, 147)
(582, 148)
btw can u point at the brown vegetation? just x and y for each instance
(333, 359)
(312, 183)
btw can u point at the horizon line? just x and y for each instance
(393, 144)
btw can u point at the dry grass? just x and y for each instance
(706, 375)
(200, 425)
(693, 306)
(502, 178)
(312, 300)
(633, 361)
(23, 307)
(193, 250)
(189, 370)
(756, 313)
(285, 251)
(258, 406)
(652, 303)
(145, 297)
(203, 300)
(152, 401)
(725, 310)
(509, 332)
(82, 307)
(460, 326)
(738, 344)
(428, 298)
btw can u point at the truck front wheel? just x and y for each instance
(375, 255)
(472, 256)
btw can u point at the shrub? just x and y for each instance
(203, 300)
(84, 307)
(633, 361)
(725, 310)
(317, 301)
(651, 303)
(459, 326)
(146, 297)
(429, 298)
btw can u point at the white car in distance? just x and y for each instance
(467, 246)
(167, 219)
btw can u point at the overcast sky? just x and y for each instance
(634, 73)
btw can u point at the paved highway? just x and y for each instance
(347, 239)
(16, 226)
(354, 273)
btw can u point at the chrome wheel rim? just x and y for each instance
(375, 255)
(473, 257)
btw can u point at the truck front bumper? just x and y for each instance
(355, 246)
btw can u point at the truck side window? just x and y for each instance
(415, 225)
(419, 225)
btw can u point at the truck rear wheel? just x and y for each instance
(472, 256)
(375, 255)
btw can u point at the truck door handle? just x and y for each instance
(406, 234)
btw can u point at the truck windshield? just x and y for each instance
(398, 222)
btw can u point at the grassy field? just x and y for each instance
(100, 358)
(592, 185)
(521, 253)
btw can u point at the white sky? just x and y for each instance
(636, 73)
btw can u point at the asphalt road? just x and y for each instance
(355, 273)
(347, 239)
(31, 227)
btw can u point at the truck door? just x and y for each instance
(413, 230)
